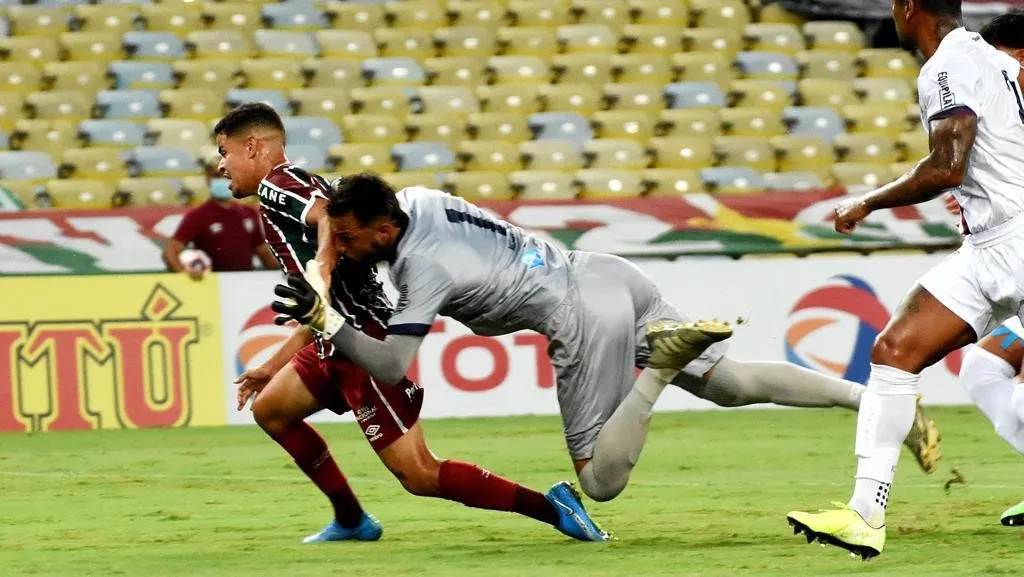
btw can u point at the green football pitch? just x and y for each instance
(709, 497)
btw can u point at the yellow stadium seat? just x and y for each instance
(660, 12)
(826, 92)
(670, 181)
(875, 148)
(913, 145)
(587, 39)
(329, 102)
(542, 184)
(827, 64)
(527, 41)
(333, 73)
(580, 98)
(652, 39)
(509, 98)
(152, 191)
(104, 17)
(243, 16)
(649, 97)
(400, 180)
(411, 43)
(704, 67)
(94, 162)
(619, 153)
(486, 13)
(294, 44)
(37, 20)
(191, 135)
(611, 13)
(834, 35)
(506, 126)
(488, 155)
(71, 105)
(756, 153)
(728, 41)
(349, 158)
(803, 154)
(50, 136)
(764, 122)
(273, 74)
(355, 44)
(785, 38)
(447, 128)
(446, 100)
(195, 188)
(219, 45)
(37, 50)
(861, 174)
(26, 191)
(609, 183)
(546, 13)
(888, 63)
(762, 93)
(82, 194)
(623, 124)
(92, 46)
(478, 186)
(20, 76)
(883, 90)
(414, 14)
(216, 75)
(12, 106)
(517, 70)
(373, 128)
(720, 14)
(681, 152)
(197, 103)
(87, 77)
(465, 41)
(550, 155)
(576, 68)
(171, 18)
(689, 122)
(875, 118)
(380, 100)
(642, 68)
(454, 70)
(775, 13)
(343, 14)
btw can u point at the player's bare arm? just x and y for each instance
(252, 381)
(326, 254)
(951, 138)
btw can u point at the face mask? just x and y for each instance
(219, 189)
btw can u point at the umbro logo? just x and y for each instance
(372, 430)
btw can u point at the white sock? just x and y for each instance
(989, 381)
(885, 417)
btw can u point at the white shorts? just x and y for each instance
(983, 281)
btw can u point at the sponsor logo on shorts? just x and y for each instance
(411, 391)
(373, 431)
(365, 414)
(945, 93)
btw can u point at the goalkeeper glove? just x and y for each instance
(304, 299)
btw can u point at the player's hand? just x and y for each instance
(850, 212)
(250, 383)
(301, 301)
(952, 205)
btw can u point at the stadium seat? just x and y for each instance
(163, 161)
(611, 13)
(393, 72)
(343, 14)
(348, 158)
(409, 43)
(623, 124)
(694, 95)
(20, 77)
(478, 185)
(687, 122)
(883, 90)
(129, 74)
(29, 20)
(874, 148)
(887, 63)
(773, 37)
(285, 43)
(357, 44)
(217, 75)
(681, 152)
(152, 191)
(651, 38)
(767, 65)
(12, 107)
(91, 46)
(400, 180)
(861, 174)
(542, 184)
(776, 13)
(81, 193)
(195, 189)
(756, 153)
(373, 128)
(161, 46)
(104, 17)
(329, 102)
(197, 103)
(819, 92)
(642, 68)
(451, 71)
(875, 118)
(765, 93)
(732, 180)
(609, 183)
(446, 100)
(833, 35)
(274, 98)
(824, 123)
(560, 126)
(510, 127)
(422, 156)
(615, 153)
(537, 13)
(50, 136)
(662, 12)
(732, 14)
(381, 100)
(218, 44)
(576, 68)
(465, 41)
(830, 65)
(29, 49)
(333, 73)
(582, 99)
(308, 157)
(231, 16)
(170, 18)
(527, 41)
(111, 133)
(550, 155)
(509, 98)
(127, 104)
(670, 181)
(26, 165)
(59, 104)
(704, 67)
(191, 135)
(787, 181)
(485, 13)
(913, 145)
(272, 74)
(517, 70)
(94, 163)
(293, 16)
(414, 14)
(803, 154)
(763, 122)
(447, 128)
(586, 39)
(488, 155)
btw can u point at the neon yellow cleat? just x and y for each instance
(923, 440)
(675, 344)
(1014, 516)
(842, 527)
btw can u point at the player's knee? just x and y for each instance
(895, 350)
(268, 417)
(601, 487)
(419, 479)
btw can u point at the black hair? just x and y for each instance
(1005, 30)
(248, 116)
(939, 7)
(367, 196)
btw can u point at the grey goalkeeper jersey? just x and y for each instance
(456, 260)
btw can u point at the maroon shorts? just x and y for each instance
(384, 413)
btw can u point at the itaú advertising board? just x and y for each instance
(821, 313)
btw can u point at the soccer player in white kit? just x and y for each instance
(972, 109)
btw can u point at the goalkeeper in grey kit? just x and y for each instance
(602, 315)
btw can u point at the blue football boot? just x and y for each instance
(573, 519)
(367, 530)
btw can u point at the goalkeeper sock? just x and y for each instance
(475, 487)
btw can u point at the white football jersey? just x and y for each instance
(966, 72)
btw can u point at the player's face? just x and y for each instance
(900, 15)
(238, 164)
(364, 244)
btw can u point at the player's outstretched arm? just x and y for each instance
(951, 140)
(326, 253)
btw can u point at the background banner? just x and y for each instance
(109, 352)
